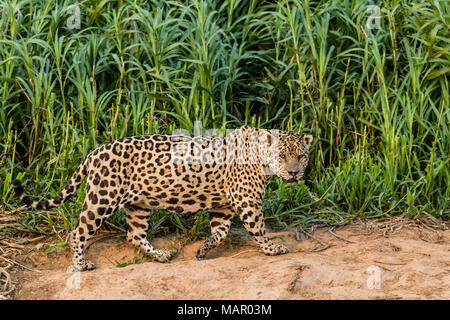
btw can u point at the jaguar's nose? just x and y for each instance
(293, 173)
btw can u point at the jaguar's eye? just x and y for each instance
(299, 157)
(282, 156)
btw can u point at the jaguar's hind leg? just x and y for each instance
(137, 219)
(220, 226)
(91, 218)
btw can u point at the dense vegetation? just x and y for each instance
(376, 97)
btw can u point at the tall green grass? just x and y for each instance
(377, 100)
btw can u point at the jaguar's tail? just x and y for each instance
(71, 187)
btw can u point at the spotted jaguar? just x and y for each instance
(226, 176)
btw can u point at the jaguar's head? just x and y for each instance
(291, 156)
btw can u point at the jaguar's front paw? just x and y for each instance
(163, 255)
(281, 249)
(82, 265)
(273, 249)
(201, 253)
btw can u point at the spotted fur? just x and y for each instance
(183, 174)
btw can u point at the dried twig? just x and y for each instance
(311, 236)
(8, 279)
(115, 227)
(7, 219)
(293, 283)
(340, 237)
(390, 263)
(10, 225)
(20, 265)
(297, 235)
(243, 252)
(12, 245)
(35, 239)
(16, 210)
(320, 248)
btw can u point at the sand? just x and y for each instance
(369, 260)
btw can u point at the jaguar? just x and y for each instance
(225, 176)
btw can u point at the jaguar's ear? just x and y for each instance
(307, 140)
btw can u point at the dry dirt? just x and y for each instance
(410, 262)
